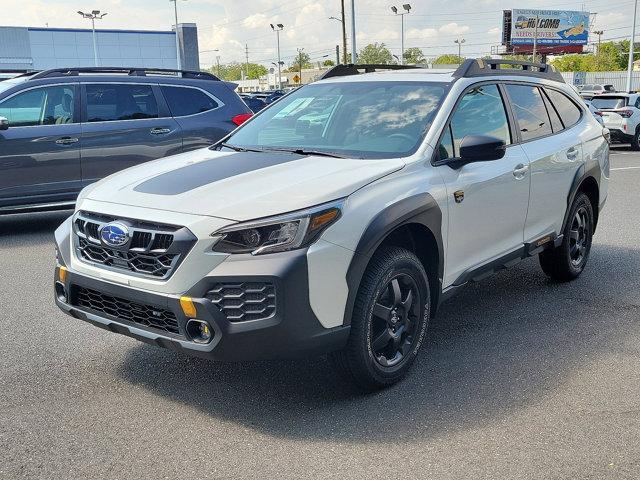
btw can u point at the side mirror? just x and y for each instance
(4, 123)
(481, 148)
(476, 148)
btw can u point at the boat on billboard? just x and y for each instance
(555, 27)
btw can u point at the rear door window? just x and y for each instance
(568, 111)
(531, 114)
(184, 101)
(112, 102)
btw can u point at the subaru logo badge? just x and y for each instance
(114, 234)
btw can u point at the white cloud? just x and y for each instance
(494, 31)
(422, 33)
(453, 29)
(258, 20)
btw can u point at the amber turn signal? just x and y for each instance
(188, 307)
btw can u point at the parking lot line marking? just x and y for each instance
(624, 168)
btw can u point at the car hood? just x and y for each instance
(238, 185)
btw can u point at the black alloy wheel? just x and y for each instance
(395, 319)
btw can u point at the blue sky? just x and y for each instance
(228, 25)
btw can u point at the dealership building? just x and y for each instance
(35, 48)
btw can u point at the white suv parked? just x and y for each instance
(621, 115)
(338, 219)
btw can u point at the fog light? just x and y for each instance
(199, 331)
(61, 292)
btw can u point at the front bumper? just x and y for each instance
(292, 331)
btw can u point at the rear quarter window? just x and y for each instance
(569, 112)
(184, 101)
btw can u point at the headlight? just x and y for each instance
(278, 234)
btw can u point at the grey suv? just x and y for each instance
(62, 129)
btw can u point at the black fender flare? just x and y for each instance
(421, 209)
(581, 175)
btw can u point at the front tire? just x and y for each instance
(566, 262)
(389, 321)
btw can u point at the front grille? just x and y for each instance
(153, 250)
(121, 309)
(241, 302)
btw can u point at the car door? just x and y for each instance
(124, 125)
(554, 149)
(487, 201)
(40, 151)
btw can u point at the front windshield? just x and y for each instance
(609, 103)
(362, 120)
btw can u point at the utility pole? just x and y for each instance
(632, 42)
(218, 62)
(300, 51)
(246, 52)
(278, 28)
(178, 56)
(459, 41)
(535, 40)
(95, 14)
(394, 9)
(354, 54)
(337, 54)
(344, 34)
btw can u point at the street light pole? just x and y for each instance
(459, 41)
(535, 40)
(631, 47)
(95, 14)
(394, 9)
(344, 35)
(278, 28)
(175, 11)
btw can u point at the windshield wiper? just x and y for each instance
(238, 149)
(303, 151)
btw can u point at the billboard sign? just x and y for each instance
(555, 27)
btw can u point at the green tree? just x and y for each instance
(375, 53)
(448, 59)
(303, 58)
(414, 56)
(328, 63)
(234, 71)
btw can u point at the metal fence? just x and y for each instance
(617, 79)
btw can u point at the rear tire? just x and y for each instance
(389, 321)
(566, 262)
(635, 140)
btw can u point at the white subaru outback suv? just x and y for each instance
(620, 113)
(339, 218)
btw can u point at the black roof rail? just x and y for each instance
(132, 71)
(351, 69)
(482, 67)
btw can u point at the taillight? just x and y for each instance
(624, 113)
(598, 112)
(240, 119)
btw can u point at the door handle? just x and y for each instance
(572, 153)
(520, 171)
(160, 130)
(66, 140)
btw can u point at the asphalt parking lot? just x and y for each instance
(520, 378)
